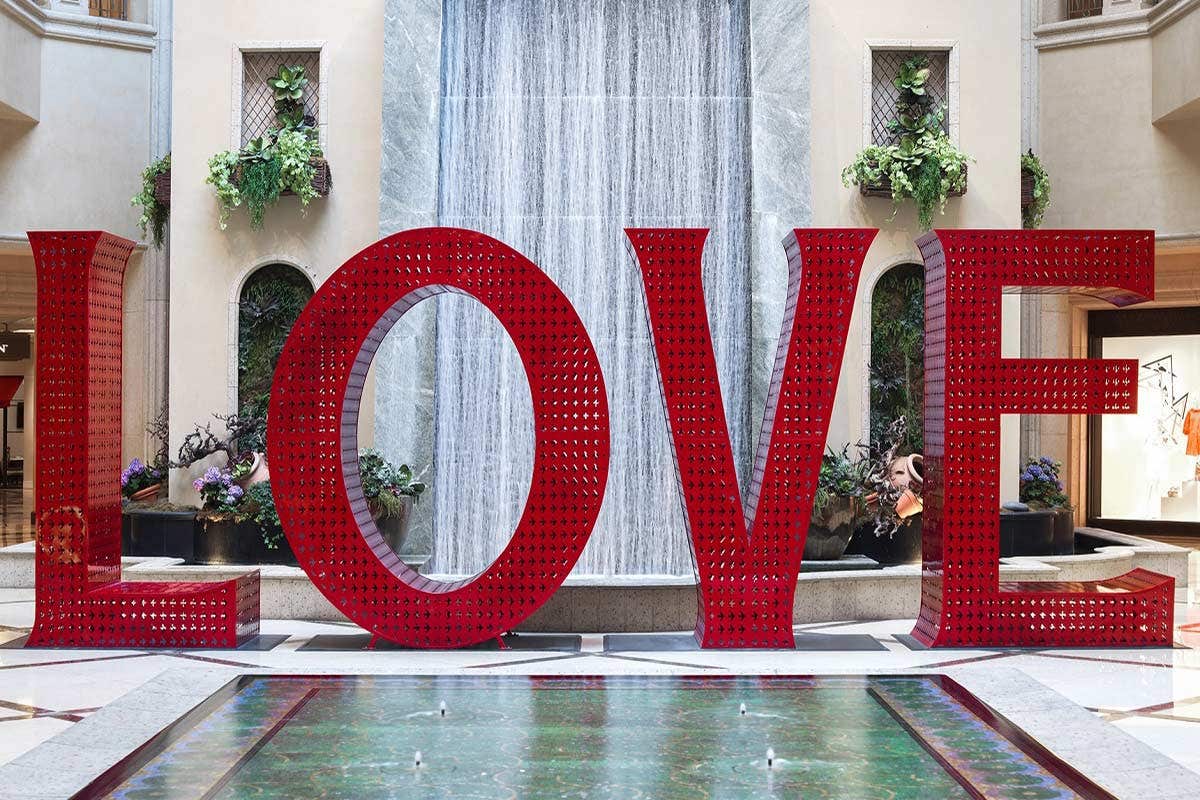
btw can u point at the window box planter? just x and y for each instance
(884, 189)
(1027, 182)
(322, 181)
(162, 189)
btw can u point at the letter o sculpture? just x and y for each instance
(313, 436)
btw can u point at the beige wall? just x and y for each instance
(82, 161)
(207, 264)
(20, 70)
(72, 159)
(987, 34)
(1176, 69)
(1109, 165)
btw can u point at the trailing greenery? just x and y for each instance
(270, 303)
(259, 187)
(922, 164)
(154, 215)
(221, 171)
(1041, 484)
(1031, 215)
(897, 371)
(294, 153)
(385, 485)
(280, 160)
(259, 508)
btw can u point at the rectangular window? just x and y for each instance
(1078, 9)
(1145, 467)
(885, 65)
(258, 97)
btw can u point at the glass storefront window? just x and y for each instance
(1149, 462)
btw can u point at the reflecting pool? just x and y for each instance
(363, 737)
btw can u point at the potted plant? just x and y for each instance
(922, 164)
(140, 482)
(286, 160)
(390, 492)
(1042, 490)
(1035, 191)
(223, 529)
(258, 507)
(155, 199)
(891, 533)
(838, 505)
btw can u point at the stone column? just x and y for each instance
(408, 195)
(781, 199)
(156, 263)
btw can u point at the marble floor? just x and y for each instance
(1129, 719)
(15, 523)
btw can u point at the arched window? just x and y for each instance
(270, 301)
(897, 369)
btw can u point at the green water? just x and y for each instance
(628, 738)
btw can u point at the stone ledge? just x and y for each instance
(647, 603)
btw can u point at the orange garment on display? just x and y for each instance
(1191, 428)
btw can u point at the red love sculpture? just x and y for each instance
(967, 387)
(748, 559)
(313, 438)
(81, 599)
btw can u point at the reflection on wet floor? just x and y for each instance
(16, 508)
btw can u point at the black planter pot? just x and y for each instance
(902, 547)
(1027, 533)
(158, 533)
(831, 529)
(258, 552)
(224, 541)
(1064, 532)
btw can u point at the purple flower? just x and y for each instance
(198, 484)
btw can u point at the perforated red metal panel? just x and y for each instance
(81, 599)
(968, 386)
(748, 559)
(313, 438)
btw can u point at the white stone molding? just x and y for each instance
(282, 46)
(952, 83)
(1111, 27)
(71, 26)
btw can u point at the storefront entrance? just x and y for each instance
(1144, 468)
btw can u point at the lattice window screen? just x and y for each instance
(885, 65)
(258, 99)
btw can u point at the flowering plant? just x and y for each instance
(138, 476)
(1041, 484)
(219, 492)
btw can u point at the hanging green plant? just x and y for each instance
(286, 160)
(922, 164)
(1036, 199)
(155, 208)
